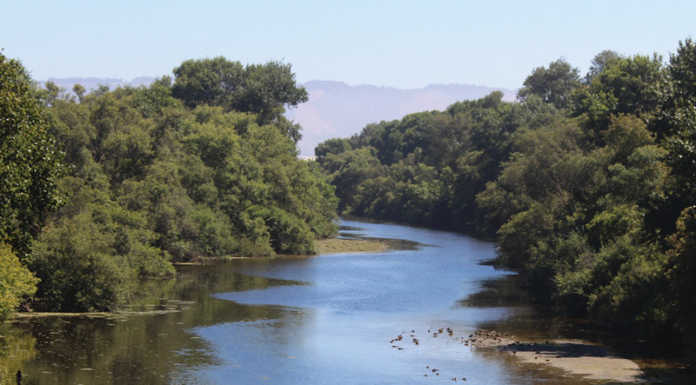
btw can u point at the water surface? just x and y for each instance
(321, 320)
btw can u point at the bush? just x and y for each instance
(78, 267)
(16, 282)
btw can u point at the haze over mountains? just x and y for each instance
(336, 109)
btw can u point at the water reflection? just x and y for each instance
(16, 347)
(159, 348)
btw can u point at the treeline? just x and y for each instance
(588, 184)
(101, 189)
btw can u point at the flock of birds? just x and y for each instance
(400, 339)
(480, 339)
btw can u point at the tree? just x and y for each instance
(77, 266)
(215, 82)
(263, 89)
(331, 146)
(553, 84)
(16, 281)
(600, 62)
(624, 86)
(80, 91)
(682, 69)
(677, 123)
(29, 161)
(348, 170)
(683, 260)
(681, 108)
(268, 88)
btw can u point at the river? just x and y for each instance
(321, 320)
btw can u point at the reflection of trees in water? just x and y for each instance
(157, 348)
(16, 347)
(506, 291)
(141, 349)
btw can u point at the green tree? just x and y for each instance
(215, 82)
(348, 170)
(78, 269)
(553, 84)
(683, 269)
(268, 88)
(79, 90)
(625, 86)
(262, 89)
(600, 62)
(16, 282)
(677, 122)
(29, 161)
(331, 146)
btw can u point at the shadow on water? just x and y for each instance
(660, 363)
(498, 292)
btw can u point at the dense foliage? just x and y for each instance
(29, 163)
(153, 178)
(29, 168)
(587, 183)
(263, 89)
(427, 168)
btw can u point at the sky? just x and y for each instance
(404, 44)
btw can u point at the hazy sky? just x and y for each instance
(393, 43)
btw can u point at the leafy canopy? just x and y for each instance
(29, 161)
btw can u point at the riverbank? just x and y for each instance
(323, 247)
(88, 315)
(573, 361)
(362, 245)
(173, 307)
(340, 245)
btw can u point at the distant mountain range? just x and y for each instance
(336, 109)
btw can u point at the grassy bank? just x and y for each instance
(363, 245)
(338, 245)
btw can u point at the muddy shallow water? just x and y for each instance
(329, 319)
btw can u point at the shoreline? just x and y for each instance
(573, 356)
(327, 246)
(172, 306)
(362, 245)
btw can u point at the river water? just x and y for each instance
(322, 320)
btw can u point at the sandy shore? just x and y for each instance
(573, 356)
